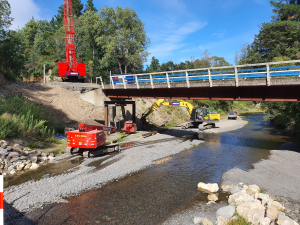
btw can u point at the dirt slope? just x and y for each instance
(68, 108)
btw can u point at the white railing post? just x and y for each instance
(101, 82)
(187, 78)
(268, 75)
(209, 77)
(168, 81)
(236, 77)
(151, 81)
(137, 82)
(124, 83)
(112, 82)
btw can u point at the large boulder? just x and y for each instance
(222, 220)
(272, 213)
(198, 220)
(226, 212)
(276, 205)
(252, 189)
(252, 212)
(240, 197)
(235, 189)
(208, 187)
(212, 197)
(265, 221)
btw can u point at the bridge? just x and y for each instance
(272, 81)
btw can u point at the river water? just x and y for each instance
(153, 195)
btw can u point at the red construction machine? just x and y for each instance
(71, 70)
(90, 140)
(129, 127)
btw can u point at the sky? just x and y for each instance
(177, 29)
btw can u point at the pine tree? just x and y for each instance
(90, 6)
(77, 7)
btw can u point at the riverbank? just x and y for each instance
(95, 172)
(278, 176)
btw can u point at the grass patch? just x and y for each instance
(239, 221)
(195, 145)
(22, 118)
(262, 190)
(33, 145)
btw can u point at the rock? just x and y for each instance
(212, 197)
(12, 172)
(21, 166)
(206, 222)
(282, 218)
(3, 142)
(17, 146)
(51, 158)
(18, 163)
(288, 222)
(222, 220)
(238, 198)
(235, 189)
(208, 187)
(9, 148)
(265, 221)
(245, 187)
(233, 219)
(33, 159)
(44, 158)
(3, 152)
(7, 163)
(252, 212)
(34, 166)
(51, 154)
(226, 187)
(26, 149)
(28, 165)
(44, 154)
(23, 157)
(4, 174)
(272, 213)
(198, 220)
(226, 212)
(3, 146)
(34, 152)
(13, 154)
(276, 205)
(14, 159)
(25, 153)
(253, 189)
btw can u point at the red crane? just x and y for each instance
(71, 69)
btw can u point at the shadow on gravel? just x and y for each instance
(12, 216)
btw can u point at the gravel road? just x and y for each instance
(34, 194)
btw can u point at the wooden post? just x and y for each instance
(106, 118)
(133, 113)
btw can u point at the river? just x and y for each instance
(158, 192)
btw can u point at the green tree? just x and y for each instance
(154, 65)
(77, 7)
(90, 6)
(5, 19)
(124, 38)
(289, 11)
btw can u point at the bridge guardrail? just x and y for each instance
(249, 71)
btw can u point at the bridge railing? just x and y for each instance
(249, 71)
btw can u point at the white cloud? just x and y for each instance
(173, 39)
(219, 34)
(22, 11)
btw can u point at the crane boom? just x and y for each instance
(71, 68)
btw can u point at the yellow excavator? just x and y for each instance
(199, 117)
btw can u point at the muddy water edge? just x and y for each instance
(155, 194)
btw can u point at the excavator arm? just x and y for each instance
(159, 102)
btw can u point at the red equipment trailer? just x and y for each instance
(70, 70)
(90, 140)
(129, 127)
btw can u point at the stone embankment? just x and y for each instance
(17, 157)
(246, 202)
